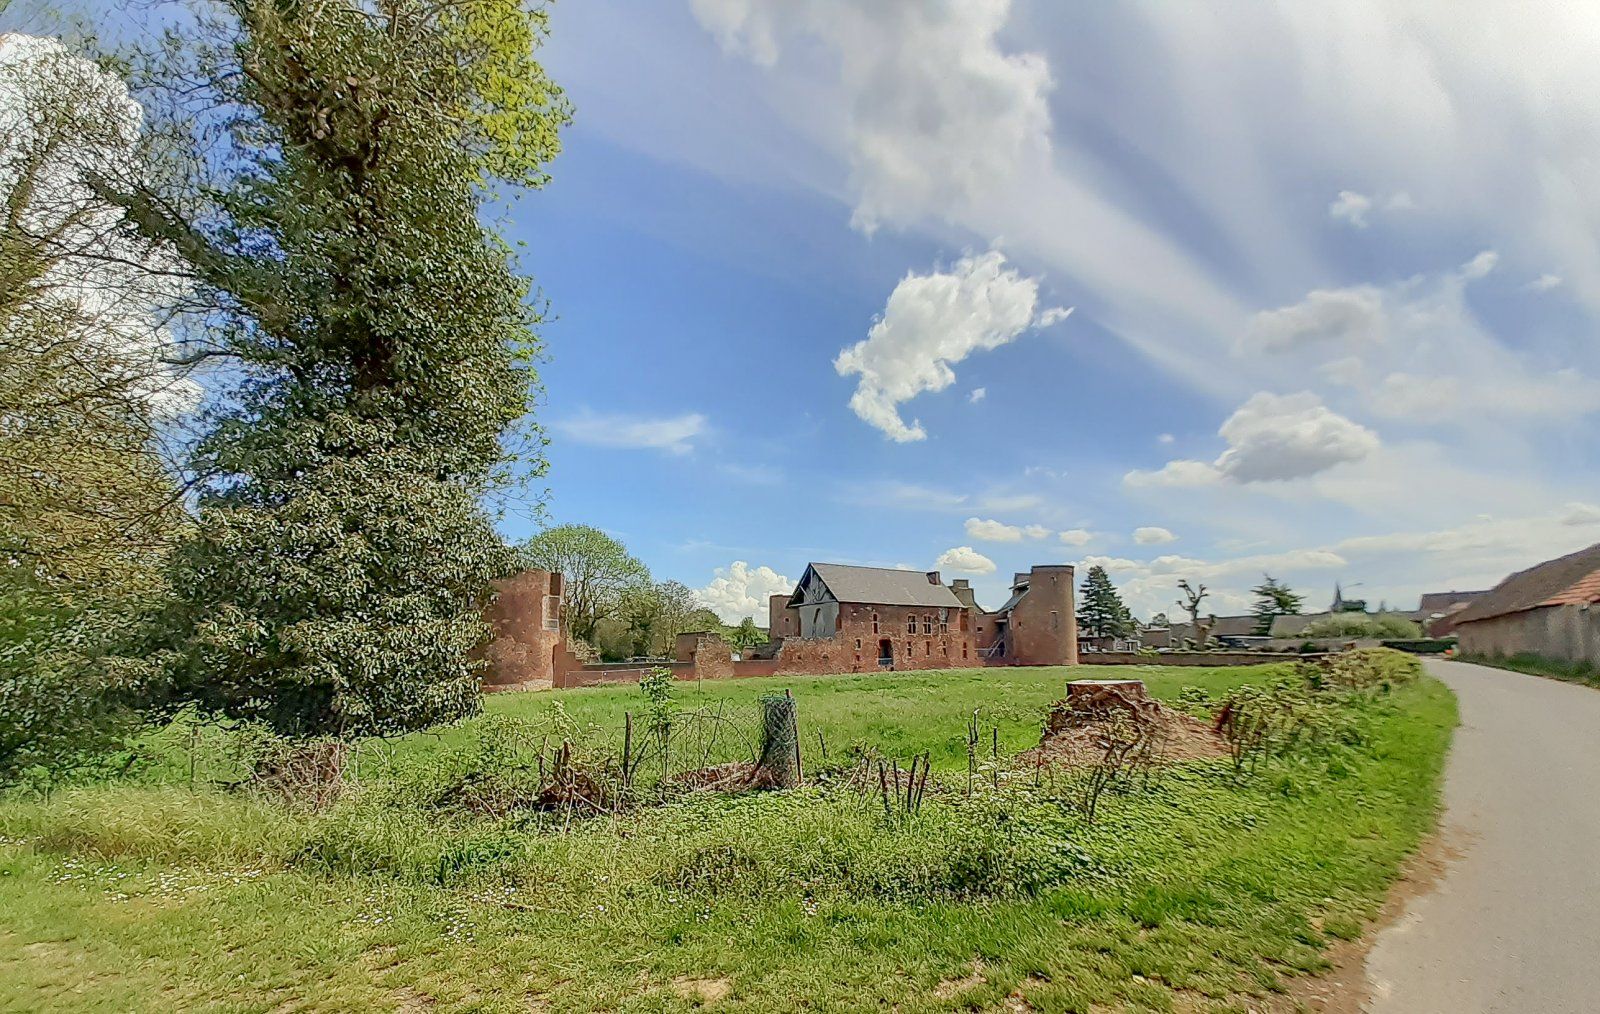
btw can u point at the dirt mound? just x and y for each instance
(1101, 715)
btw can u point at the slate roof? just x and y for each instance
(884, 586)
(1443, 602)
(1573, 579)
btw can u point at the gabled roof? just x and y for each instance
(1443, 602)
(1573, 579)
(882, 586)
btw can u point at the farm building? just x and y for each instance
(1545, 610)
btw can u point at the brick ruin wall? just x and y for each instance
(920, 637)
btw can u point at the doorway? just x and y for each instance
(885, 654)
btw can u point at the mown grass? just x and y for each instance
(1205, 889)
(1530, 664)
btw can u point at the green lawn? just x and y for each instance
(152, 894)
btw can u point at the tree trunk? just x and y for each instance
(780, 742)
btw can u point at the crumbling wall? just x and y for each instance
(526, 621)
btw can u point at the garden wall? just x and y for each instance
(1196, 658)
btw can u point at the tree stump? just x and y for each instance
(780, 742)
(1098, 700)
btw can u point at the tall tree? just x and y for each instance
(88, 511)
(1273, 599)
(1101, 612)
(329, 211)
(600, 572)
(747, 635)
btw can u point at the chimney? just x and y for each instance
(959, 583)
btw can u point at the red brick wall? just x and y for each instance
(519, 650)
(1044, 624)
(929, 648)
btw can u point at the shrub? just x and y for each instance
(1372, 668)
(1362, 625)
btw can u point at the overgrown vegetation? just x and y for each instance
(442, 876)
(1362, 625)
(1537, 665)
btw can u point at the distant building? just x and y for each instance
(884, 618)
(1545, 610)
(1437, 611)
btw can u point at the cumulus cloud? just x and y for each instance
(936, 112)
(1480, 265)
(978, 394)
(992, 531)
(63, 121)
(930, 323)
(739, 590)
(1076, 536)
(1272, 438)
(1351, 207)
(1326, 316)
(674, 434)
(964, 560)
(988, 530)
(1152, 535)
(1355, 208)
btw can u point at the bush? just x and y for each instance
(1363, 625)
(1372, 668)
(1538, 665)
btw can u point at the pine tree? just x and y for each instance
(1101, 612)
(1273, 599)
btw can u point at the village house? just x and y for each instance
(1547, 610)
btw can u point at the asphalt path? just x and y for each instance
(1513, 922)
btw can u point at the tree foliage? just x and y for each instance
(1363, 625)
(1273, 599)
(1101, 612)
(378, 337)
(747, 635)
(88, 511)
(601, 575)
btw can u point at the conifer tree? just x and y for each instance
(1101, 612)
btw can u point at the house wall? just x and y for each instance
(854, 646)
(1570, 633)
(525, 618)
(1044, 623)
(781, 621)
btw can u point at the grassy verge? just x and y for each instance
(1538, 665)
(1202, 890)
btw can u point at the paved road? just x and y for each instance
(1513, 924)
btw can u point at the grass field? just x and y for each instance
(152, 893)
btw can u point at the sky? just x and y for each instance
(1186, 291)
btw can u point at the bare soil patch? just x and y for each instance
(1080, 729)
(702, 990)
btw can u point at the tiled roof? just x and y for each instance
(884, 586)
(1568, 580)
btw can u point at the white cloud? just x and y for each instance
(992, 531)
(63, 121)
(978, 394)
(1275, 437)
(1480, 265)
(1005, 503)
(1076, 536)
(964, 560)
(1152, 535)
(1333, 316)
(674, 434)
(1272, 438)
(1165, 438)
(930, 323)
(1036, 532)
(1355, 208)
(1351, 207)
(1580, 514)
(935, 112)
(739, 590)
(1544, 283)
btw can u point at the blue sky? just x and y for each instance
(1332, 269)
